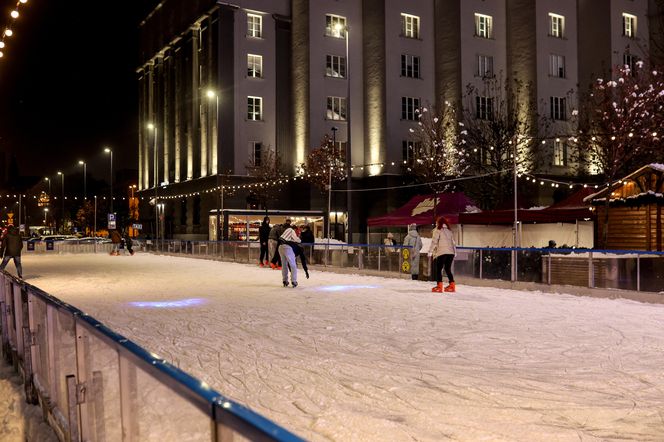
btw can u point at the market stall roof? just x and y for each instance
(419, 210)
(568, 210)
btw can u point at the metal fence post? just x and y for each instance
(591, 273)
(400, 261)
(28, 342)
(379, 247)
(638, 272)
(548, 268)
(481, 262)
(72, 408)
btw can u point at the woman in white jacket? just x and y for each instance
(443, 250)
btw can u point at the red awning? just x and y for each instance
(568, 210)
(419, 210)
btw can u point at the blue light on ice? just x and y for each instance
(343, 288)
(191, 302)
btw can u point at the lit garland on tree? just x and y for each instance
(321, 161)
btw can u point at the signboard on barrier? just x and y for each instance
(31, 246)
(49, 245)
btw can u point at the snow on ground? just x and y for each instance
(19, 421)
(348, 357)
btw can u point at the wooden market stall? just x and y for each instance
(635, 203)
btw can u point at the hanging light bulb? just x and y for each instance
(14, 14)
(9, 32)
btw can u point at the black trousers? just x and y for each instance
(444, 262)
(264, 256)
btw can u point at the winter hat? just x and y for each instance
(389, 235)
(412, 226)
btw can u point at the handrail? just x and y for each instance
(195, 391)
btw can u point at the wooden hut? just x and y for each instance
(634, 219)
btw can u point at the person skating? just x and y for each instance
(298, 250)
(128, 243)
(413, 240)
(263, 238)
(307, 237)
(288, 256)
(116, 239)
(11, 247)
(273, 245)
(443, 250)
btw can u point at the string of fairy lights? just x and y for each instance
(534, 179)
(8, 32)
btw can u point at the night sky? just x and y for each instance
(68, 84)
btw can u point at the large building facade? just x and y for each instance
(223, 84)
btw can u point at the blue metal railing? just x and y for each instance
(32, 330)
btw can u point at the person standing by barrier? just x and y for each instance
(287, 255)
(413, 240)
(443, 250)
(11, 247)
(263, 237)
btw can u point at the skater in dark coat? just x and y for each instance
(11, 247)
(277, 262)
(308, 240)
(128, 243)
(263, 238)
(298, 250)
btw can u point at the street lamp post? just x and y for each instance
(85, 180)
(153, 128)
(516, 215)
(346, 32)
(220, 206)
(62, 175)
(48, 180)
(108, 150)
(45, 216)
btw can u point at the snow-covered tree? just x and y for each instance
(499, 118)
(321, 161)
(436, 153)
(622, 122)
(266, 169)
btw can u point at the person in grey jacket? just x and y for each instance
(273, 244)
(12, 244)
(413, 240)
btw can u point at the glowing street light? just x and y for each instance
(108, 150)
(62, 175)
(85, 182)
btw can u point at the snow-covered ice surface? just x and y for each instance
(348, 357)
(19, 421)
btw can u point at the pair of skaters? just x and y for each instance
(282, 242)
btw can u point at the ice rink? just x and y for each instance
(348, 357)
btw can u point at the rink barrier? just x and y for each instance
(94, 384)
(593, 268)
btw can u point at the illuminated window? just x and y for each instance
(629, 25)
(485, 66)
(558, 108)
(484, 108)
(557, 65)
(410, 26)
(410, 66)
(335, 66)
(254, 108)
(335, 26)
(408, 107)
(559, 153)
(254, 25)
(254, 66)
(336, 108)
(483, 26)
(556, 25)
